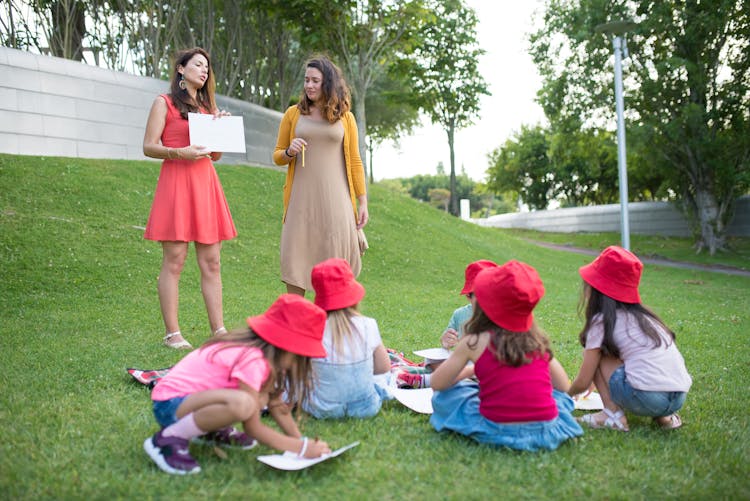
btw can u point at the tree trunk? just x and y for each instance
(359, 114)
(68, 29)
(709, 217)
(453, 199)
(369, 148)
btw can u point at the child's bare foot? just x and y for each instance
(671, 422)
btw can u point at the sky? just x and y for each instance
(513, 81)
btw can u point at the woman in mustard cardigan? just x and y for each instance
(325, 198)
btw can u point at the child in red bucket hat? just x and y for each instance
(629, 353)
(519, 400)
(419, 376)
(231, 378)
(345, 378)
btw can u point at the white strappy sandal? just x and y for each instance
(178, 345)
(612, 422)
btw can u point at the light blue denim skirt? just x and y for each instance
(457, 409)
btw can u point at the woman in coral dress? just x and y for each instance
(189, 203)
(325, 197)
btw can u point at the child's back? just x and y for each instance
(344, 383)
(519, 400)
(648, 366)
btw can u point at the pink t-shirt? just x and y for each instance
(510, 394)
(647, 367)
(212, 368)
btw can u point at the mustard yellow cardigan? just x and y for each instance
(355, 172)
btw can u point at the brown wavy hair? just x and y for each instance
(205, 95)
(297, 382)
(594, 302)
(336, 93)
(511, 348)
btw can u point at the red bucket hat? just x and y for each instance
(471, 274)
(616, 272)
(508, 294)
(335, 286)
(294, 324)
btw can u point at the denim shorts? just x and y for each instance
(165, 411)
(641, 402)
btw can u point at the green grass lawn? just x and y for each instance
(79, 305)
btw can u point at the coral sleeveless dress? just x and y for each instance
(189, 203)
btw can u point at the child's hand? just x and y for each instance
(316, 448)
(449, 339)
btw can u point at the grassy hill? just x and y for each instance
(79, 305)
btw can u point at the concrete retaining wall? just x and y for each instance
(646, 218)
(57, 107)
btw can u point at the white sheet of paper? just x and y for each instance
(590, 402)
(290, 461)
(225, 134)
(434, 353)
(419, 400)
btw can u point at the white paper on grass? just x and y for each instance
(418, 400)
(290, 461)
(434, 353)
(589, 402)
(225, 134)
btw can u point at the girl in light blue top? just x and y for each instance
(343, 382)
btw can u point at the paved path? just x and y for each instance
(715, 268)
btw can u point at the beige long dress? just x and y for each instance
(320, 221)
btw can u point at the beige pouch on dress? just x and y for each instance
(363, 245)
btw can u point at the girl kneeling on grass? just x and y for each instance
(344, 380)
(629, 353)
(231, 378)
(520, 400)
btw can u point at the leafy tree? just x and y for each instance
(450, 84)
(522, 165)
(584, 165)
(440, 198)
(391, 110)
(366, 36)
(687, 92)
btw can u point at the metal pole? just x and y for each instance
(621, 164)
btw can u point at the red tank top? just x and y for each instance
(510, 394)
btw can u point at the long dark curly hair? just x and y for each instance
(205, 95)
(336, 93)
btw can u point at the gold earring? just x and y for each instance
(182, 83)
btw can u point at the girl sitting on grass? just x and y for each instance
(231, 378)
(519, 401)
(344, 384)
(629, 354)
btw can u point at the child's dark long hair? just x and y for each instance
(594, 302)
(297, 382)
(511, 348)
(204, 96)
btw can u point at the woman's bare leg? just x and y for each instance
(173, 260)
(209, 263)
